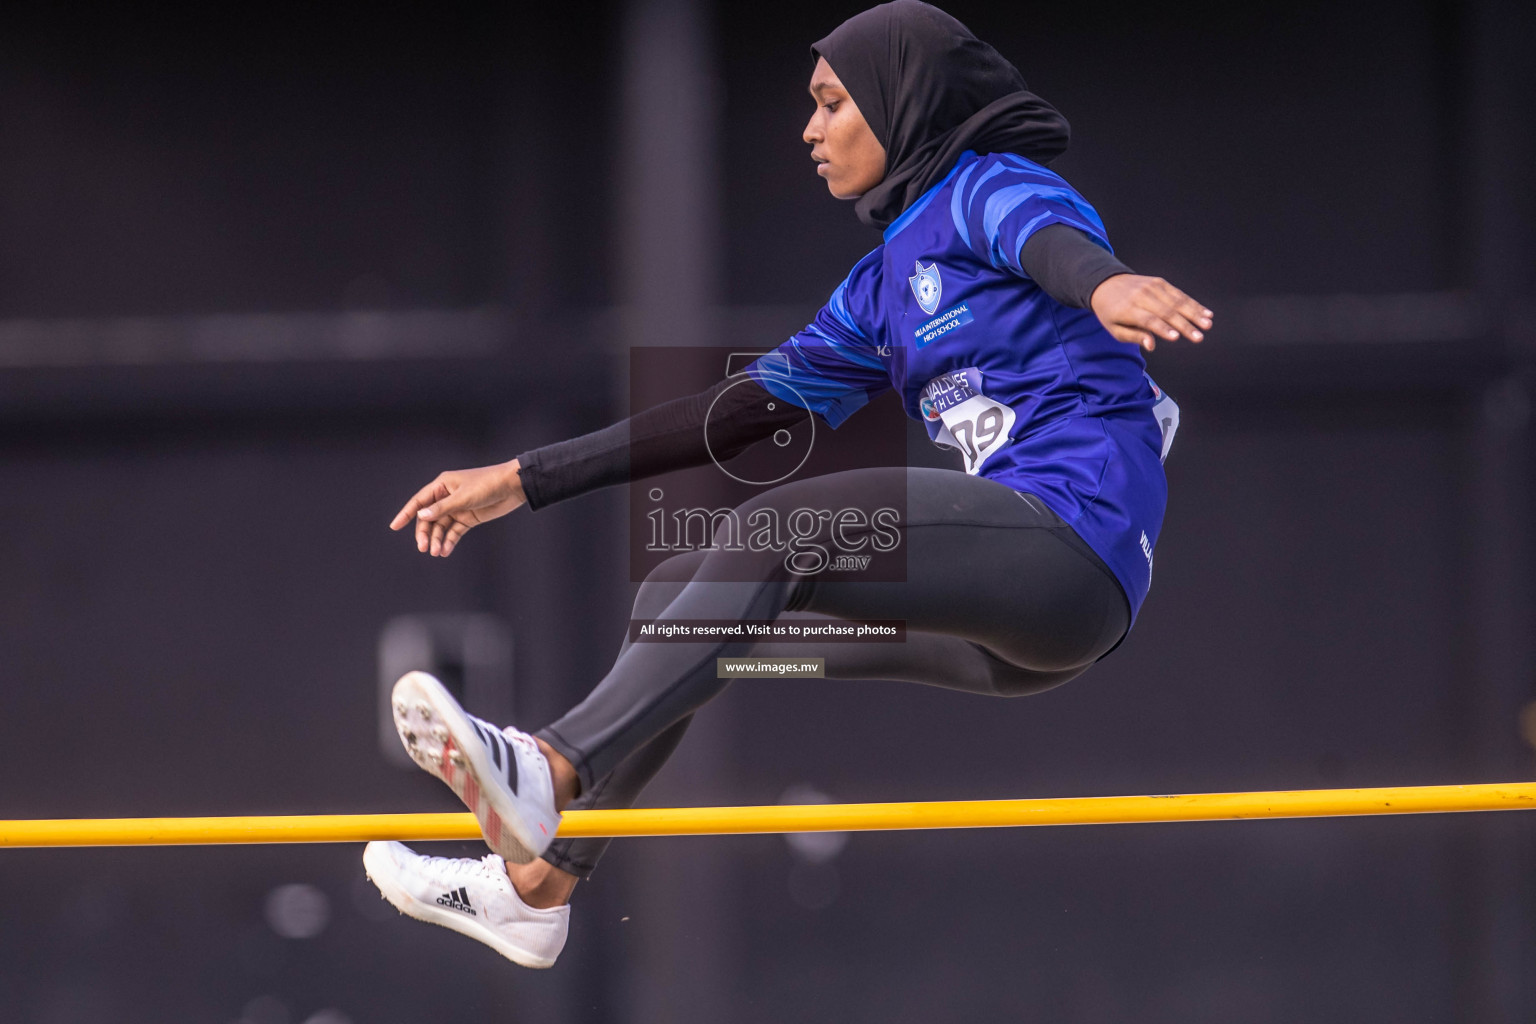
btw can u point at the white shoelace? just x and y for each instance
(488, 867)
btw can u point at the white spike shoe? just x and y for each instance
(473, 897)
(500, 774)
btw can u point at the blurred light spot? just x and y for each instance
(812, 847)
(328, 1016)
(1528, 724)
(264, 1010)
(298, 911)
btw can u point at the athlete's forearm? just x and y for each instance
(661, 439)
(1067, 265)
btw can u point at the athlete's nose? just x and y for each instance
(812, 133)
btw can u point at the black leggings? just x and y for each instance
(1001, 597)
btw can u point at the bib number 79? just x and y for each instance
(979, 427)
(978, 435)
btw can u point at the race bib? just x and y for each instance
(1167, 412)
(958, 415)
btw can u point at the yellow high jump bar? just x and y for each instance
(688, 821)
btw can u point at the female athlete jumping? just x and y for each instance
(995, 310)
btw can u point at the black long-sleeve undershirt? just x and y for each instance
(673, 435)
(739, 412)
(1067, 264)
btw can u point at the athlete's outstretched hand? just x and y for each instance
(1141, 310)
(457, 500)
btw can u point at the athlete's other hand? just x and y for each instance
(457, 500)
(1143, 310)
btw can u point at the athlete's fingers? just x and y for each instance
(445, 506)
(465, 492)
(1187, 307)
(435, 491)
(1152, 324)
(1181, 324)
(428, 494)
(406, 514)
(451, 541)
(1141, 308)
(1175, 293)
(1156, 316)
(439, 528)
(1132, 336)
(1196, 312)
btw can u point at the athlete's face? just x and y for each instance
(846, 152)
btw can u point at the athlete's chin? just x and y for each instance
(842, 191)
(841, 187)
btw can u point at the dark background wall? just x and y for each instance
(260, 279)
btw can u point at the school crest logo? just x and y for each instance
(926, 286)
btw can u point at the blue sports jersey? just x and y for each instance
(1035, 395)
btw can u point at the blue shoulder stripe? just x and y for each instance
(915, 210)
(982, 179)
(957, 205)
(855, 354)
(838, 305)
(1005, 200)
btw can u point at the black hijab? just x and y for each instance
(930, 91)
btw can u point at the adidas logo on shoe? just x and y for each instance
(456, 900)
(437, 890)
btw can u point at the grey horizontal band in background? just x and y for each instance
(355, 336)
(770, 668)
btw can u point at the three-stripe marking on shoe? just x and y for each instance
(457, 900)
(501, 754)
